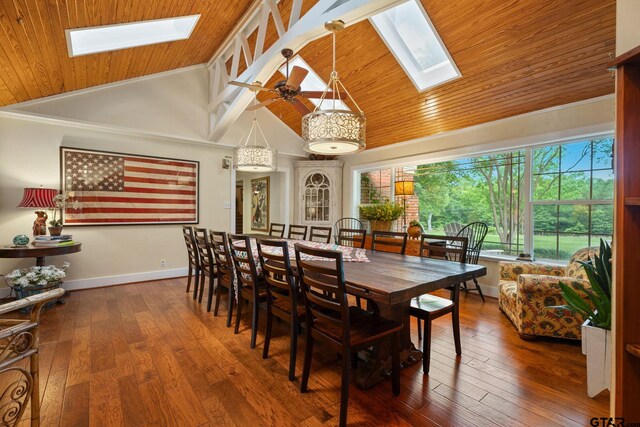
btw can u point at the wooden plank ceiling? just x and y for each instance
(34, 62)
(515, 56)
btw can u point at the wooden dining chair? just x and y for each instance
(389, 241)
(283, 297)
(428, 307)
(298, 232)
(276, 229)
(347, 223)
(207, 261)
(320, 234)
(192, 257)
(331, 320)
(353, 237)
(251, 287)
(224, 265)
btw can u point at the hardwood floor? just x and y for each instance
(147, 354)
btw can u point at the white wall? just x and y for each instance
(627, 28)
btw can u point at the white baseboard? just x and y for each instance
(487, 289)
(99, 282)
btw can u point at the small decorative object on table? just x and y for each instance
(525, 257)
(34, 280)
(20, 240)
(381, 215)
(59, 203)
(415, 229)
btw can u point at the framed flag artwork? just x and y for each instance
(104, 188)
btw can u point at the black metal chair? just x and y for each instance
(250, 286)
(320, 234)
(276, 229)
(298, 232)
(224, 265)
(389, 241)
(428, 307)
(475, 233)
(283, 297)
(207, 262)
(342, 328)
(192, 256)
(347, 223)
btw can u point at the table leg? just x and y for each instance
(40, 261)
(377, 363)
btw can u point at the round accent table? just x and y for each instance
(39, 253)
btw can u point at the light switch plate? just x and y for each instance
(227, 205)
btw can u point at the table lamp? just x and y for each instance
(39, 198)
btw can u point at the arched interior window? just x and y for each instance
(316, 198)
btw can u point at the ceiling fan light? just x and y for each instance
(255, 159)
(333, 132)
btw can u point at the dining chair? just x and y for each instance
(320, 234)
(224, 264)
(352, 237)
(428, 307)
(192, 257)
(347, 223)
(475, 232)
(331, 320)
(276, 229)
(283, 297)
(389, 241)
(251, 287)
(207, 262)
(298, 232)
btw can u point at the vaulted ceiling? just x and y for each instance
(34, 62)
(515, 57)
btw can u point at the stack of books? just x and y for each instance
(53, 241)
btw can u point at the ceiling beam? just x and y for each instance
(227, 101)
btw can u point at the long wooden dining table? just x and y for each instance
(389, 281)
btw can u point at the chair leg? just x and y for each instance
(254, 323)
(455, 320)
(195, 283)
(479, 289)
(354, 360)
(395, 364)
(358, 302)
(426, 347)
(232, 299)
(201, 288)
(267, 334)
(294, 348)
(238, 315)
(344, 390)
(210, 296)
(189, 276)
(306, 369)
(419, 328)
(218, 294)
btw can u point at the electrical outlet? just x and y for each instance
(227, 205)
(163, 263)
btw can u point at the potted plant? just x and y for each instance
(596, 330)
(34, 280)
(55, 224)
(381, 215)
(415, 229)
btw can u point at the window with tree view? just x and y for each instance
(568, 205)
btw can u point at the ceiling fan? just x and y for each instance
(288, 90)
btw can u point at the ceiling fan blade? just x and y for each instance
(249, 86)
(296, 77)
(298, 105)
(262, 104)
(317, 94)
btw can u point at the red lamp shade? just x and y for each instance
(38, 198)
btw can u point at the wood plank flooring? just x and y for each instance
(147, 354)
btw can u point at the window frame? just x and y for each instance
(528, 225)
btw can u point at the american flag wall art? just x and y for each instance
(106, 188)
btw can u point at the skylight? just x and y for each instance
(85, 41)
(411, 37)
(313, 82)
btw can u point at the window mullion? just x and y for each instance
(528, 199)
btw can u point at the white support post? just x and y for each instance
(277, 19)
(262, 30)
(296, 8)
(245, 49)
(235, 61)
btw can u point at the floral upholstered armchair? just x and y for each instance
(527, 290)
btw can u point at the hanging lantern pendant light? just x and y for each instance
(255, 158)
(334, 131)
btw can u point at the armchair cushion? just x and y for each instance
(510, 270)
(574, 268)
